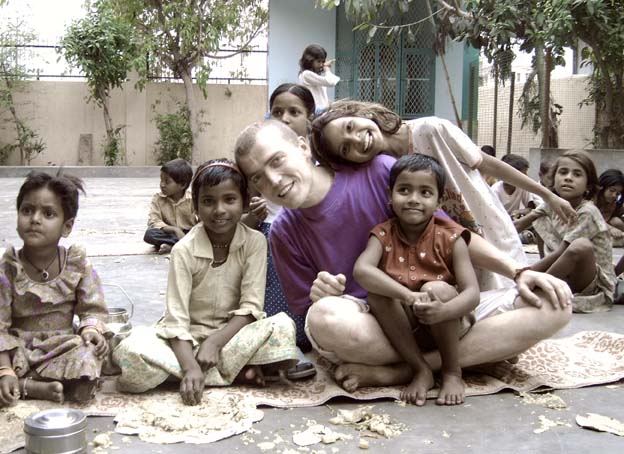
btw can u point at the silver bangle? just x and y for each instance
(24, 392)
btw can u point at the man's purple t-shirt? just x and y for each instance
(331, 235)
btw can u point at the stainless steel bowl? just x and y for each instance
(118, 315)
(56, 431)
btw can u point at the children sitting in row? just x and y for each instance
(171, 212)
(42, 287)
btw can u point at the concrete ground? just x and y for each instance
(111, 222)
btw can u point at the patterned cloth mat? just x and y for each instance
(587, 358)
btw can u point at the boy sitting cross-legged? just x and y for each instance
(171, 210)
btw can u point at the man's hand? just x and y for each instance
(327, 284)
(556, 291)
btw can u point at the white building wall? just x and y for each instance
(454, 58)
(293, 24)
(575, 128)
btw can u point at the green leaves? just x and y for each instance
(176, 138)
(103, 47)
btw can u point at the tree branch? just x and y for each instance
(242, 48)
(454, 8)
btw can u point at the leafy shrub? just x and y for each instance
(176, 138)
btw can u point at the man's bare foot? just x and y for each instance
(352, 376)
(44, 390)
(416, 392)
(250, 375)
(81, 391)
(452, 389)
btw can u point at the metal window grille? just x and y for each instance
(399, 74)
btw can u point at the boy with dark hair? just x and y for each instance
(171, 213)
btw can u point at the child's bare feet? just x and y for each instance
(44, 390)
(81, 391)
(353, 376)
(250, 375)
(416, 392)
(452, 389)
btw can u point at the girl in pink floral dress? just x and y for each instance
(42, 286)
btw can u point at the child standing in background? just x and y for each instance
(315, 73)
(214, 331)
(42, 286)
(171, 210)
(579, 252)
(414, 260)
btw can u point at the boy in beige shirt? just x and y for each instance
(171, 211)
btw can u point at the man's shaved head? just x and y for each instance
(247, 138)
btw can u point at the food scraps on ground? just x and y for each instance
(601, 423)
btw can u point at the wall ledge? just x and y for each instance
(85, 171)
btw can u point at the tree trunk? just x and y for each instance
(193, 113)
(609, 128)
(16, 119)
(546, 142)
(544, 105)
(108, 122)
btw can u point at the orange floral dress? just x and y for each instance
(36, 318)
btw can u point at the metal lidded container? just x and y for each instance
(56, 431)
